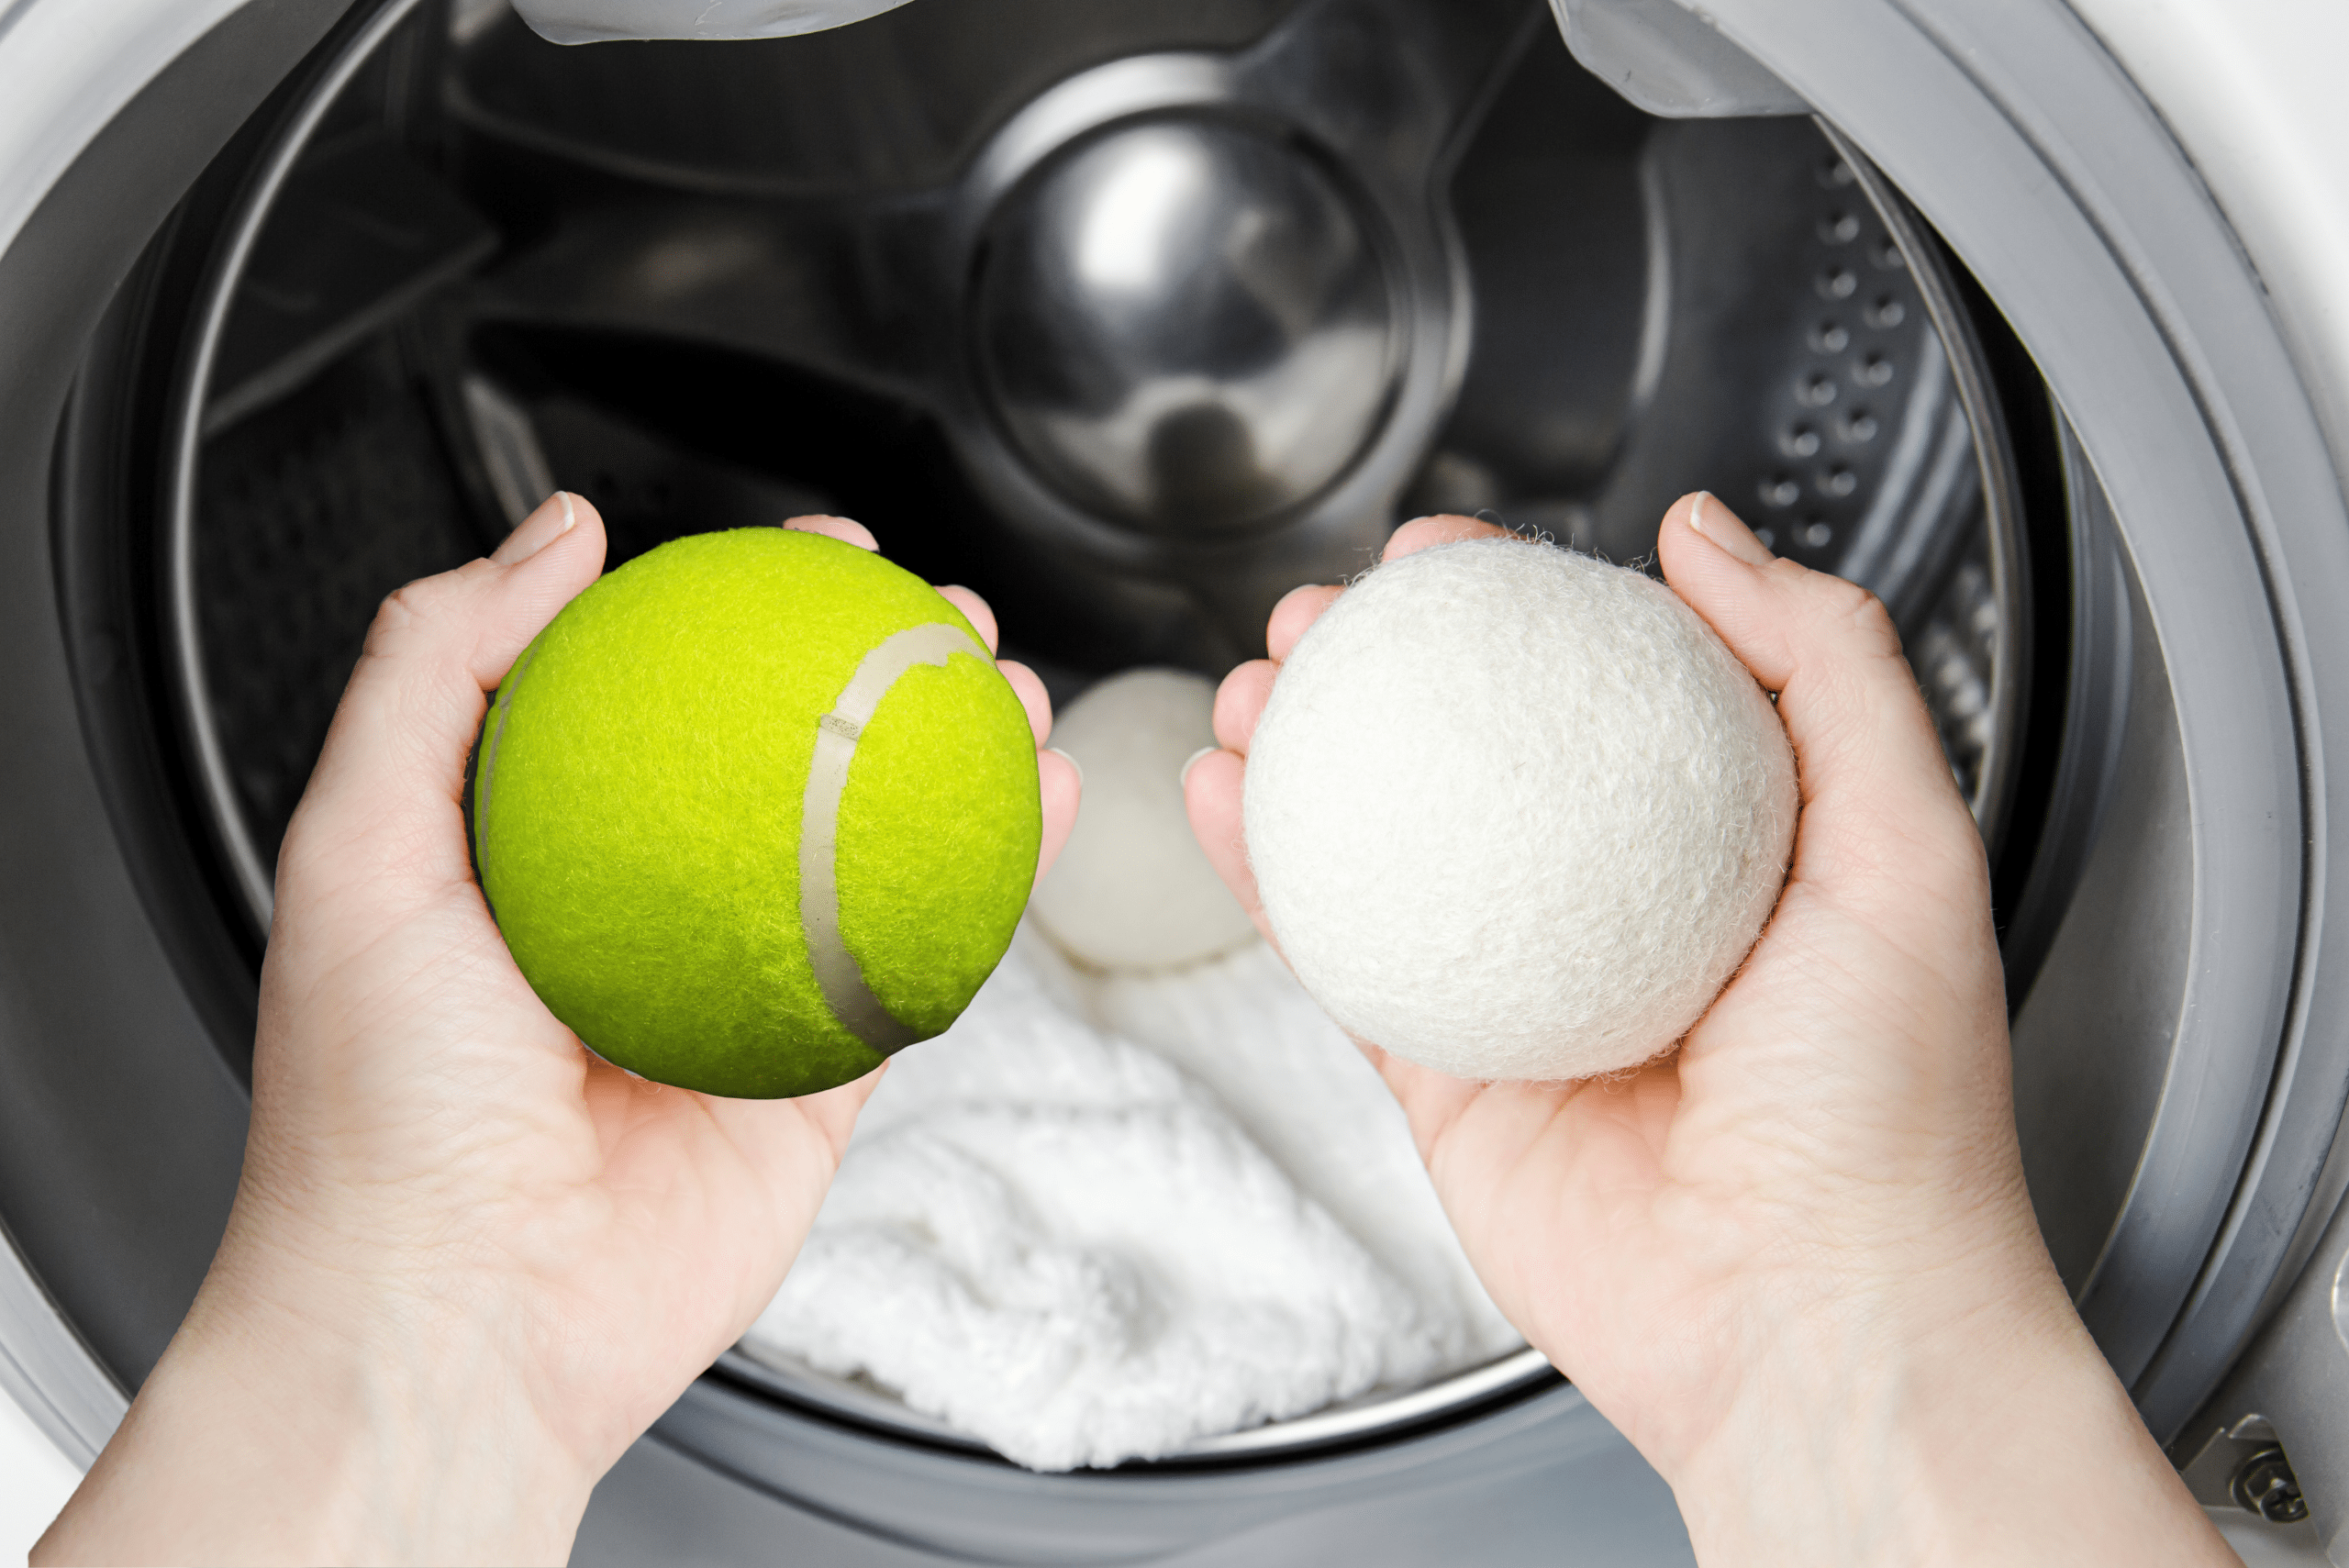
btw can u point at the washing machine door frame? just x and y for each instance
(109, 114)
(2057, 183)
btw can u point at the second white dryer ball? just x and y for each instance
(1132, 891)
(1515, 813)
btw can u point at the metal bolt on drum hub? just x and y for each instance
(2265, 1484)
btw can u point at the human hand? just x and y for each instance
(469, 1262)
(1795, 1262)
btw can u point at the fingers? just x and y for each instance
(1059, 782)
(543, 565)
(1239, 703)
(1212, 781)
(975, 610)
(398, 743)
(1431, 1101)
(1032, 697)
(1872, 768)
(1212, 798)
(775, 1132)
(1298, 608)
(1449, 527)
(794, 1146)
(555, 516)
(1060, 785)
(847, 530)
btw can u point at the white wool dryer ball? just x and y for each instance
(1516, 813)
(1133, 890)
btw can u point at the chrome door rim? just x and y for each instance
(2034, 155)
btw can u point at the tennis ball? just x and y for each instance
(755, 811)
(1515, 813)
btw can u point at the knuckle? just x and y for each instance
(397, 617)
(417, 601)
(410, 602)
(1850, 614)
(409, 610)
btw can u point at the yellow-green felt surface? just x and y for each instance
(639, 801)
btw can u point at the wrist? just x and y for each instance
(1948, 1416)
(304, 1416)
(1832, 1446)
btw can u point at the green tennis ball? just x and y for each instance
(755, 811)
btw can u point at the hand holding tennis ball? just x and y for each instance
(469, 1261)
(1794, 1260)
(756, 811)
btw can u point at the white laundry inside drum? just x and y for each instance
(1102, 1218)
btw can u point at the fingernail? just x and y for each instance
(1716, 522)
(856, 533)
(1072, 761)
(1184, 778)
(556, 517)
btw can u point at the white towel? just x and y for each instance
(1064, 1245)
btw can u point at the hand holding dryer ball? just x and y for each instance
(755, 811)
(1515, 813)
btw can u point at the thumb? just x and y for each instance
(384, 799)
(1877, 789)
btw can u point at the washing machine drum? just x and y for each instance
(1133, 318)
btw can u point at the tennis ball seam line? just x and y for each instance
(838, 974)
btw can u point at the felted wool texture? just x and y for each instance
(1131, 889)
(1053, 1239)
(1515, 813)
(638, 812)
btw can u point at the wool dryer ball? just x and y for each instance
(1515, 813)
(1132, 891)
(755, 811)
